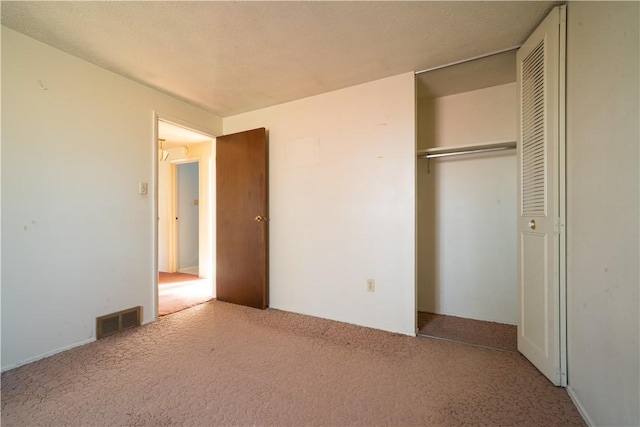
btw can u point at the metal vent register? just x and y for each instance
(115, 322)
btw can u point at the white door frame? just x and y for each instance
(157, 116)
(562, 193)
(173, 226)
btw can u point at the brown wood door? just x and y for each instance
(241, 217)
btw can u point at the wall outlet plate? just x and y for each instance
(371, 285)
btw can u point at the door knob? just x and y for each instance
(260, 218)
(532, 224)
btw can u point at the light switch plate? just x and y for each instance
(143, 188)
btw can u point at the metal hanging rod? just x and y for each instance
(486, 55)
(433, 153)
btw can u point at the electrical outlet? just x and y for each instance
(371, 285)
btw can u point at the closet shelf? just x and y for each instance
(433, 153)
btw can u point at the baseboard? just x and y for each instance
(474, 317)
(47, 354)
(580, 408)
(190, 270)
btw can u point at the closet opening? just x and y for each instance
(466, 219)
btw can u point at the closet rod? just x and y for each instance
(433, 153)
(486, 55)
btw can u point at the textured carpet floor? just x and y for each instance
(222, 364)
(476, 332)
(178, 291)
(165, 278)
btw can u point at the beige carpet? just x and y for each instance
(469, 331)
(165, 278)
(178, 291)
(222, 364)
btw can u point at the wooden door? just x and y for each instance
(241, 217)
(540, 224)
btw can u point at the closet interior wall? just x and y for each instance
(467, 207)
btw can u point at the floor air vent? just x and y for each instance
(116, 322)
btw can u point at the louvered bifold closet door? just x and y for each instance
(538, 262)
(533, 134)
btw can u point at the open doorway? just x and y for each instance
(185, 217)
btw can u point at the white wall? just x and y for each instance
(77, 239)
(602, 207)
(467, 207)
(342, 203)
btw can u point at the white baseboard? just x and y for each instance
(47, 354)
(190, 270)
(581, 410)
(472, 317)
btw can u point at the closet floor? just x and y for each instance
(468, 331)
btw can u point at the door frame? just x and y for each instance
(562, 195)
(160, 116)
(174, 233)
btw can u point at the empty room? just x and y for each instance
(361, 171)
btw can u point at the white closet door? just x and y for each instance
(539, 62)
